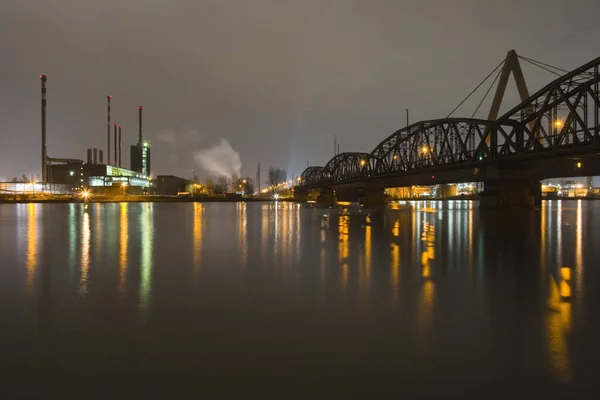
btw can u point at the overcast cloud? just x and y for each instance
(275, 79)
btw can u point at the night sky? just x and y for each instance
(272, 79)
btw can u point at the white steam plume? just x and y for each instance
(220, 159)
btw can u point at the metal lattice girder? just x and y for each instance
(562, 114)
(311, 176)
(433, 143)
(348, 166)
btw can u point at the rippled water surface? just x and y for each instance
(150, 300)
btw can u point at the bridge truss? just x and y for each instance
(561, 117)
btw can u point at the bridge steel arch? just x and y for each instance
(562, 115)
(311, 176)
(561, 118)
(349, 166)
(434, 143)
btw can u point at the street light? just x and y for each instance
(362, 162)
(558, 123)
(424, 149)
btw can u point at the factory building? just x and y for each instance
(140, 152)
(140, 158)
(100, 178)
(170, 185)
(94, 174)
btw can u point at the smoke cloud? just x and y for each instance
(220, 159)
(168, 137)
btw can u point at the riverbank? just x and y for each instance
(128, 199)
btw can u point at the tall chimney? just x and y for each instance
(95, 156)
(44, 155)
(101, 156)
(89, 156)
(258, 177)
(120, 146)
(108, 127)
(115, 143)
(140, 136)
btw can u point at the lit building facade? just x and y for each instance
(140, 158)
(100, 178)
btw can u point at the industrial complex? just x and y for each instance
(108, 177)
(94, 173)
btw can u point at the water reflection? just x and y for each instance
(242, 223)
(124, 242)
(343, 247)
(558, 327)
(98, 224)
(147, 235)
(579, 250)
(85, 254)
(198, 209)
(395, 258)
(395, 271)
(32, 248)
(72, 238)
(442, 280)
(365, 272)
(426, 299)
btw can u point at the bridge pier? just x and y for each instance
(512, 192)
(301, 194)
(373, 198)
(326, 197)
(445, 191)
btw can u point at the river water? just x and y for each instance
(280, 299)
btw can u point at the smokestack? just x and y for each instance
(108, 127)
(140, 136)
(115, 143)
(119, 146)
(44, 155)
(95, 156)
(89, 156)
(101, 156)
(258, 176)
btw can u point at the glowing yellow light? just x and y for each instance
(424, 150)
(244, 181)
(124, 184)
(578, 165)
(558, 123)
(362, 162)
(32, 249)
(85, 194)
(395, 157)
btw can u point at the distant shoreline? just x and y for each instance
(136, 199)
(215, 199)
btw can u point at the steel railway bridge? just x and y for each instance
(552, 133)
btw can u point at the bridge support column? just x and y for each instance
(374, 197)
(301, 195)
(446, 191)
(505, 193)
(326, 197)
